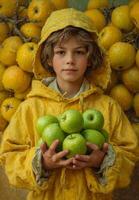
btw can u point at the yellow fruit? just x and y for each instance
(113, 81)
(121, 55)
(8, 107)
(136, 128)
(137, 58)
(11, 26)
(15, 79)
(60, 4)
(3, 123)
(3, 95)
(121, 18)
(7, 7)
(130, 78)
(109, 35)
(21, 2)
(2, 69)
(97, 17)
(31, 30)
(4, 31)
(132, 2)
(97, 4)
(121, 94)
(39, 10)
(134, 14)
(136, 104)
(22, 95)
(25, 56)
(22, 12)
(8, 50)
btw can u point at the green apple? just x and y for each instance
(71, 121)
(94, 136)
(93, 119)
(75, 143)
(105, 134)
(43, 121)
(53, 132)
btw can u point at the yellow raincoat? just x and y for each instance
(20, 137)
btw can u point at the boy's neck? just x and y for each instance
(69, 89)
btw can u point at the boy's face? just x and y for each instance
(70, 61)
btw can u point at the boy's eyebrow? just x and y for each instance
(78, 47)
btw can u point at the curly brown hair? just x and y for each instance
(95, 54)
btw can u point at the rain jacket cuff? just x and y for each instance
(108, 161)
(40, 174)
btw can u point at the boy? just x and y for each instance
(69, 50)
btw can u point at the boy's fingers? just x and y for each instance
(78, 163)
(53, 147)
(59, 155)
(83, 158)
(66, 162)
(105, 147)
(92, 146)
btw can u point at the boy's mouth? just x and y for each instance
(69, 70)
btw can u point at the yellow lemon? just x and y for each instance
(31, 30)
(39, 10)
(97, 4)
(109, 35)
(4, 31)
(25, 56)
(134, 14)
(8, 107)
(60, 4)
(21, 2)
(121, 18)
(130, 78)
(8, 50)
(137, 58)
(7, 7)
(121, 55)
(136, 104)
(15, 79)
(2, 69)
(136, 128)
(3, 95)
(121, 94)
(3, 123)
(113, 81)
(22, 95)
(22, 12)
(97, 17)
(132, 2)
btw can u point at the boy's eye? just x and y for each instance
(81, 52)
(60, 52)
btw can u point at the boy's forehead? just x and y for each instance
(72, 40)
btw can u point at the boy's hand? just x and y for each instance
(51, 159)
(93, 160)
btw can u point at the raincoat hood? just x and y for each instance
(70, 17)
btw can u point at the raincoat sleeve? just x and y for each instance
(17, 149)
(125, 145)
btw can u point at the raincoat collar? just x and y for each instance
(39, 89)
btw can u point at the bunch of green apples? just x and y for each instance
(73, 129)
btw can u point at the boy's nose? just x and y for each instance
(69, 58)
